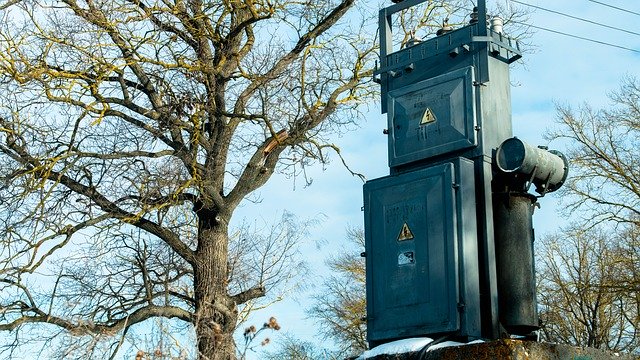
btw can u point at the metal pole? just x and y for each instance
(482, 17)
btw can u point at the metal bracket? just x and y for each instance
(489, 40)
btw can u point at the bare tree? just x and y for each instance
(583, 295)
(628, 279)
(340, 304)
(589, 278)
(604, 148)
(291, 348)
(131, 130)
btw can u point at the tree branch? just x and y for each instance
(250, 294)
(169, 237)
(8, 4)
(82, 328)
(325, 24)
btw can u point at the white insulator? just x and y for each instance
(496, 24)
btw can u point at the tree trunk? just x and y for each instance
(215, 313)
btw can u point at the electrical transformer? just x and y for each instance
(430, 226)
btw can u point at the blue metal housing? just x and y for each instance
(432, 117)
(421, 248)
(429, 226)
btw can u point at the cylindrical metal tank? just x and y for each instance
(513, 226)
(547, 169)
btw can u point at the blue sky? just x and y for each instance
(559, 69)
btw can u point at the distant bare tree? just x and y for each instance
(589, 281)
(291, 348)
(628, 279)
(604, 149)
(584, 293)
(340, 304)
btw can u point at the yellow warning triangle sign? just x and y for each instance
(405, 233)
(428, 117)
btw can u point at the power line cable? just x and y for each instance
(615, 7)
(572, 35)
(578, 37)
(577, 18)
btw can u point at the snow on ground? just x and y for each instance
(408, 346)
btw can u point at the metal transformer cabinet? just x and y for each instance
(421, 247)
(455, 102)
(448, 106)
(447, 96)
